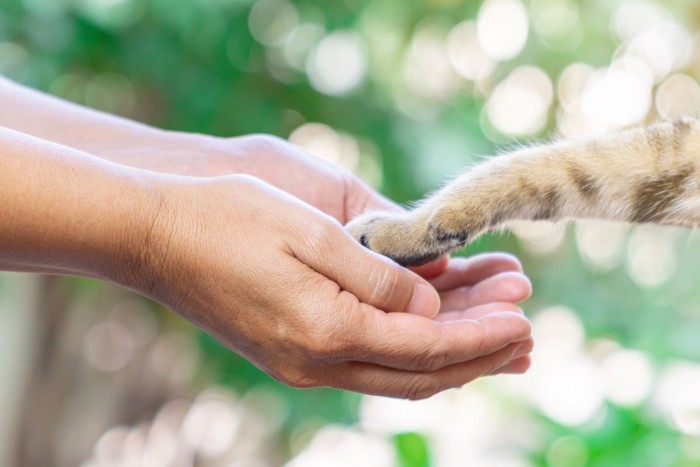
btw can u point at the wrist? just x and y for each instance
(135, 259)
(165, 249)
(117, 227)
(67, 212)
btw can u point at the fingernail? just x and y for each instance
(425, 301)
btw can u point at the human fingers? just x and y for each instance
(510, 287)
(410, 342)
(372, 278)
(432, 269)
(379, 380)
(478, 311)
(515, 367)
(472, 270)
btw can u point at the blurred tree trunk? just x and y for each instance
(67, 401)
(40, 410)
(18, 339)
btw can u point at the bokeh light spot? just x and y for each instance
(108, 346)
(601, 244)
(326, 143)
(466, 55)
(677, 96)
(637, 16)
(520, 104)
(211, 425)
(338, 64)
(347, 448)
(675, 396)
(652, 255)
(502, 28)
(272, 21)
(554, 20)
(541, 237)
(628, 377)
(615, 97)
(427, 71)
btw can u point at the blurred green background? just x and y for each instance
(406, 93)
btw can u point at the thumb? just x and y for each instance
(372, 278)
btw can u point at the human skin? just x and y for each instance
(275, 279)
(325, 186)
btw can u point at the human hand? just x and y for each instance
(66, 245)
(285, 286)
(467, 288)
(472, 287)
(326, 186)
(332, 190)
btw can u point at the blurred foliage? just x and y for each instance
(412, 449)
(195, 65)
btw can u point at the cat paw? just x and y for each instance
(457, 226)
(396, 236)
(407, 238)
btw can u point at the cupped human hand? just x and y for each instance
(467, 287)
(473, 287)
(326, 186)
(284, 285)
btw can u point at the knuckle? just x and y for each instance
(422, 388)
(322, 348)
(296, 378)
(480, 344)
(386, 287)
(342, 343)
(434, 358)
(331, 343)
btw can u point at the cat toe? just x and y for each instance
(393, 236)
(360, 228)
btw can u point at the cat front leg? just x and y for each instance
(648, 174)
(491, 194)
(439, 225)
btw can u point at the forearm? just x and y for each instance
(104, 135)
(279, 163)
(63, 211)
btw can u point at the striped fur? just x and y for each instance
(643, 175)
